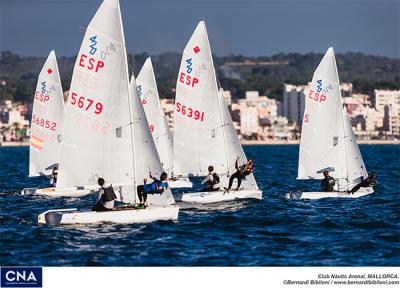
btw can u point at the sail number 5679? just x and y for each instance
(189, 112)
(85, 103)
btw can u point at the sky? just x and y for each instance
(248, 27)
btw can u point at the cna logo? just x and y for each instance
(28, 277)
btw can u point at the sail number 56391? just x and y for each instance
(85, 103)
(189, 112)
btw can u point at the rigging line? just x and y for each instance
(219, 103)
(125, 57)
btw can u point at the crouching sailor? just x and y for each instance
(327, 183)
(156, 187)
(370, 181)
(211, 181)
(106, 197)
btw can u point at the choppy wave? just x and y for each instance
(270, 232)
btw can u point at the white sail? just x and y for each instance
(147, 90)
(145, 152)
(198, 133)
(322, 145)
(327, 139)
(47, 120)
(233, 147)
(97, 139)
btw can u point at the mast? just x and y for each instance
(344, 128)
(129, 98)
(219, 102)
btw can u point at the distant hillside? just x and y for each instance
(236, 73)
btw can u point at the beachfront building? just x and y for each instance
(357, 99)
(294, 100)
(14, 125)
(227, 96)
(168, 106)
(256, 115)
(388, 103)
(366, 121)
(249, 123)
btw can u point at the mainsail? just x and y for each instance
(97, 140)
(106, 133)
(47, 120)
(147, 90)
(198, 130)
(327, 140)
(204, 133)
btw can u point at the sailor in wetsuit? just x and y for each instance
(241, 173)
(327, 183)
(157, 186)
(370, 181)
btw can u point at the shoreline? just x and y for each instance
(14, 144)
(297, 142)
(246, 142)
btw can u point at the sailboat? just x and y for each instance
(327, 139)
(148, 92)
(204, 134)
(46, 127)
(106, 133)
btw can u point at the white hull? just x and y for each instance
(183, 183)
(124, 216)
(320, 195)
(60, 192)
(219, 196)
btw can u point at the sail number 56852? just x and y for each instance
(189, 112)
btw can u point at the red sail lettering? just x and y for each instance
(83, 56)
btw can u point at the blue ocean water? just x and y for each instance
(270, 232)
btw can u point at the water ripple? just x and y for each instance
(273, 231)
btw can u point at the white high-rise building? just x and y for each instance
(249, 124)
(388, 102)
(294, 99)
(293, 102)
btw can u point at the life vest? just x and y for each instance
(246, 170)
(108, 195)
(216, 179)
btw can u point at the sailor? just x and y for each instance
(211, 181)
(370, 181)
(53, 177)
(156, 187)
(241, 172)
(106, 197)
(327, 183)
